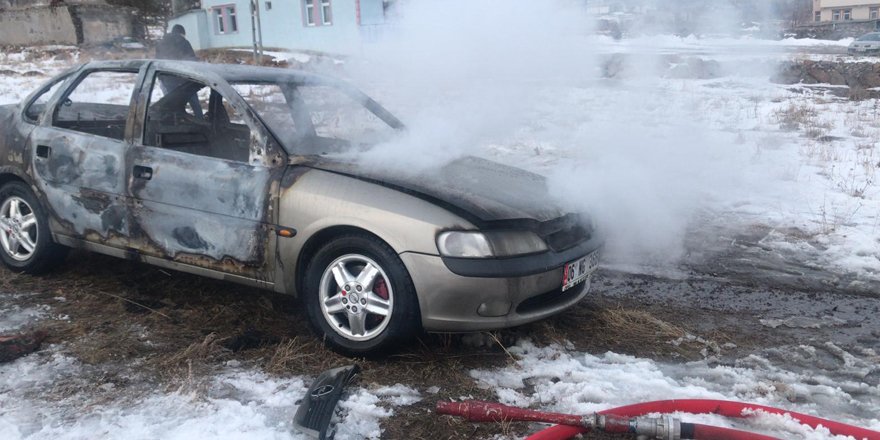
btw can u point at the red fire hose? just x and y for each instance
(702, 432)
(622, 419)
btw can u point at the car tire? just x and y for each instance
(345, 304)
(26, 244)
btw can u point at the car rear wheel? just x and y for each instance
(25, 241)
(359, 296)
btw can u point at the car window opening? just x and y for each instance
(190, 117)
(314, 119)
(98, 105)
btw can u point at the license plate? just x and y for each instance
(579, 270)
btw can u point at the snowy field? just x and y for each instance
(657, 160)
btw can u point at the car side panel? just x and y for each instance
(83, 179)
(203, 211)
(13, 134)
(313, 200)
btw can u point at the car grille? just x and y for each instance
(564, 232)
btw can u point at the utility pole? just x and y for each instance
(257, 31)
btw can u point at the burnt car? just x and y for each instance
(246, 174)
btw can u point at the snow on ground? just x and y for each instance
(557, 379)
(695, 44)
(239, 403)
(300, 57)
(22, 72)
(13, 316)
(242, 404)
(49, 395)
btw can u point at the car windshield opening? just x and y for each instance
(316, 119)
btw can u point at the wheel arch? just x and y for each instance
(317, 239)
(8, 175)
(46, 253)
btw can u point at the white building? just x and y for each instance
(845, 10)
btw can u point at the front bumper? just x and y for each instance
(452, 302)
(521, 265)
(862, 50)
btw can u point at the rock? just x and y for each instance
(13, 347)
(614, 66)
(861, 75)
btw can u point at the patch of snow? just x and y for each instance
(398, 395)
(300, 57)
(554, 378)
(804, 322)
(843, 42)
(364, 412)
(242, 404)
(48, 395)
(14, 317)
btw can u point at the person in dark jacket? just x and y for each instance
(175, 46)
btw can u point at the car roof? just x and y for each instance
(229, 72)
(233, 73)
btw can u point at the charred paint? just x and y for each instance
(12, 136)
(189, 238)
(484, 192)
(63, 169)
(222, 203)
(196, 210)
(93, 201)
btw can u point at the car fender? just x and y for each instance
(318, 201)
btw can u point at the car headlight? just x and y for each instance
(466, 244)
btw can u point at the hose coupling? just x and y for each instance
(661, 428)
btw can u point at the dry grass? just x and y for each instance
(198, 354)
(637, 326)
(298, 354)
(643, 332)
(795, 115)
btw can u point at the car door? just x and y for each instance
(78, 152)
(201, 181)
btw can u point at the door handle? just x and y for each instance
(43, 151)
(144, 173)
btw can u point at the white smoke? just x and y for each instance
(467, 76)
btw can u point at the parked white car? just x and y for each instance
(868, 43)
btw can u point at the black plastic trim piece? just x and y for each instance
(317, 407)
(519, 266)
(551, 299)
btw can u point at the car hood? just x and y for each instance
(480, 190)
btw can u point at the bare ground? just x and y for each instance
(176, 330)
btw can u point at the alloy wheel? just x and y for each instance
(18, 228)
(356, 297)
